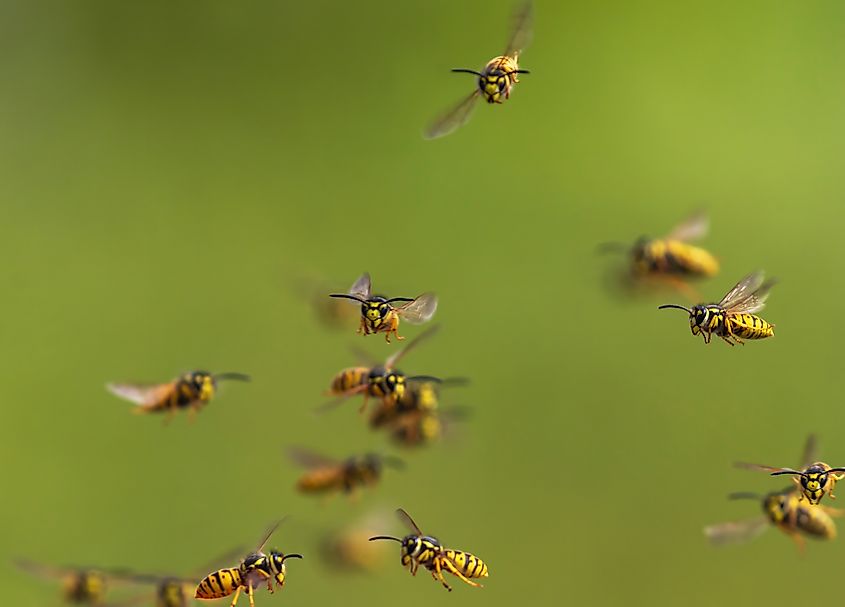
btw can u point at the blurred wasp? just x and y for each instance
(416, 418)
(256, 569)
(813, 480)
(79, 585)
(419, 549)
(378, 381)
(670, 259)
(378, 315)
(347, 549)
(783, 509)
(495, 80)
(192, 390)
(326, 475)
(733, 318)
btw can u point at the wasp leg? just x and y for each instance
(440, 575)
(413, 567)
(364, 404)
(251, 595)
(270, 585)
(457, 572)
(393, 327)
(799, 541)
(237, 594)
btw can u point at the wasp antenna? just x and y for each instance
(385, 537)
(233, 375)
(687, 310)
(464, 71)
(428, 378)
(782, 472)
(291, 556)
(392, 299)
(837, 470)
(519, 72)
(347, 296)
(744, 495)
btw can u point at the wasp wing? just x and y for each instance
(736, 532)
(452, 119)
(141, 394)
(408, 521)
(393, 360)
(810, 453)
(523, 29)
(362, 287)
(749, 294)
(692, 228)
(309, 459)
(269, 533)
(42, 570)
(420, 310)
(761, 468)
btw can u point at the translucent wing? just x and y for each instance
(269, 533)
(40, 569)
(742, 290)
(420, 310)
(362, 287)
(762, 468)
(141, 394)
(454, 118)
(391, 362)
(810, 453)
(309, 459)
(523, 29)
(736, 532)
(755, 301)
(692, 228)
(408, 521)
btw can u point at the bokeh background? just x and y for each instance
(174, 174)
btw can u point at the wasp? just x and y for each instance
(347, 549)
(378, 381)
(169, 591)
(256, 569)
(670, 258)
(420, 549)
(495, 80)
(379, 315)
(813, 480)
(783, 509)
(192, 390)
(82, 586)
(327, 475)
(733, 319)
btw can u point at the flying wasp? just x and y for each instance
(420, 549)
(813, 480)
(378, 381)
(256, 569)
(495, 80)
(79, 585)
(192, 390)
(733, 319)
(346, 548)
(783, 509)
(379, 315)
(327, 475)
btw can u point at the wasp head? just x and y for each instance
(171, 593)
(85, 587)
(813, 482)
(375, 309)
(277, 565)
(202, 383)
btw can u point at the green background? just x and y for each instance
(170, 171)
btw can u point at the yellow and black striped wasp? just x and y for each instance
(783, 509)
(327, 475)
(670, 259)
(85, 586)
(191, 390)
(420, 549)
(256, 569)
(496, 78)
(733, 319)
(378, 381)
(379, 315)
(813, 480)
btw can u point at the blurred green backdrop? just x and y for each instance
(170, 168)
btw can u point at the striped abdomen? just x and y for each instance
(468, 564)
(749, 326)
(674, 257)
(321, 479)
(349, 379)
(219, 584)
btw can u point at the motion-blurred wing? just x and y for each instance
(453, 119)
(362, 287)
(308, 459)
(692, 228)
(736, 532)
(762, 468)
(810, 454)
(420, 310)
(408, 521)
(141, 394)
(523, 29)
(391, 362)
